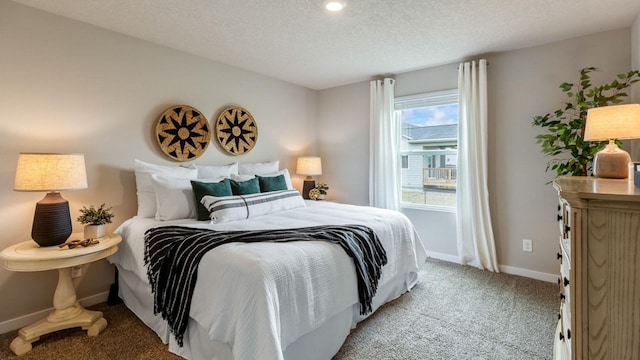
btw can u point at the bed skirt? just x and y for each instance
(320, 344)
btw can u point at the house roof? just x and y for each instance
(300, 42)
(438, 132)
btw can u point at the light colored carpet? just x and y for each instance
(455, 312)
(460, 312)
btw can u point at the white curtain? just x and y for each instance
(384, 138)
(476, 245)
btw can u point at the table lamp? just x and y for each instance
(611, 123)
(51, 173)
(309, 165)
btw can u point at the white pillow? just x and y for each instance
(241, 177)
(258, 168)
(215, 171)
(146, 195)
(238, 207)
(175, 198)
(287, 177)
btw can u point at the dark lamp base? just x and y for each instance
(51, 221)
(611, 162)
(308, 184)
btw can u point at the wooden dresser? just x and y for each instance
(599, 223)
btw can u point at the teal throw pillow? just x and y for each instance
(272, 183)
(245, 187)
(200, 189)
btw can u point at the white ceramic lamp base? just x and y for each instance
(611, 162)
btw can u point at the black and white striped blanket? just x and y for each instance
(172, 255)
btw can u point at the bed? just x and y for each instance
(264, 300)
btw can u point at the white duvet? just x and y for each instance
(261, 297)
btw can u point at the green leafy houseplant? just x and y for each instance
(565, 136)
(93, 216)
(322, 188)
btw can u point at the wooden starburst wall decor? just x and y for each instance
(236, 130)
(183, 133)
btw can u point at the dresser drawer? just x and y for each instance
(566, 325)
(565, 278)
(560, 350)
(564, 282)
(564, 218)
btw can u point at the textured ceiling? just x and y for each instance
(300, 42)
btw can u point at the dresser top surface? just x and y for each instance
(589, 187)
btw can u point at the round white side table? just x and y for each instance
(68, 313)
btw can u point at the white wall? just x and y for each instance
(69, 87)
(522, 84)
(343, 142)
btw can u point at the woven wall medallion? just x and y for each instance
(183, 133)
(236, 130)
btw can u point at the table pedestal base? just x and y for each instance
(91, 321)
(68, 314)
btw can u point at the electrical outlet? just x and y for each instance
(527, 245)
(76, 271)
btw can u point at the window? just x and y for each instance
(428, 149)
(404, 159)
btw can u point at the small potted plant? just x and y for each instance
(322, 188)
(94, 220)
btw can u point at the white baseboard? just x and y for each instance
(444, 257)
(529, 273)
(512, 270)
(22, 321)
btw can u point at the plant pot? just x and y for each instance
(93, 231)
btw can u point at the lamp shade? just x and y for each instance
(50, 172)
(309, 165)
(613, 122)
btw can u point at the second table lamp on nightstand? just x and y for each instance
(51, 173)
(612, 123)
(309, 165)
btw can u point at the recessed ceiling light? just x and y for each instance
(333, 5)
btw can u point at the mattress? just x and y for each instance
(273, 301)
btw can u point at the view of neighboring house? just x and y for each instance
(429, 156)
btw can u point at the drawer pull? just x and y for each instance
(562, 297)
(566, 281)
(559, 256)
(561, 336)
(559, 207)
(559, 281)
(567, 228)
(559, 217)
(559, 316)
(568, 334)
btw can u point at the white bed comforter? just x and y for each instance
(261, 297)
